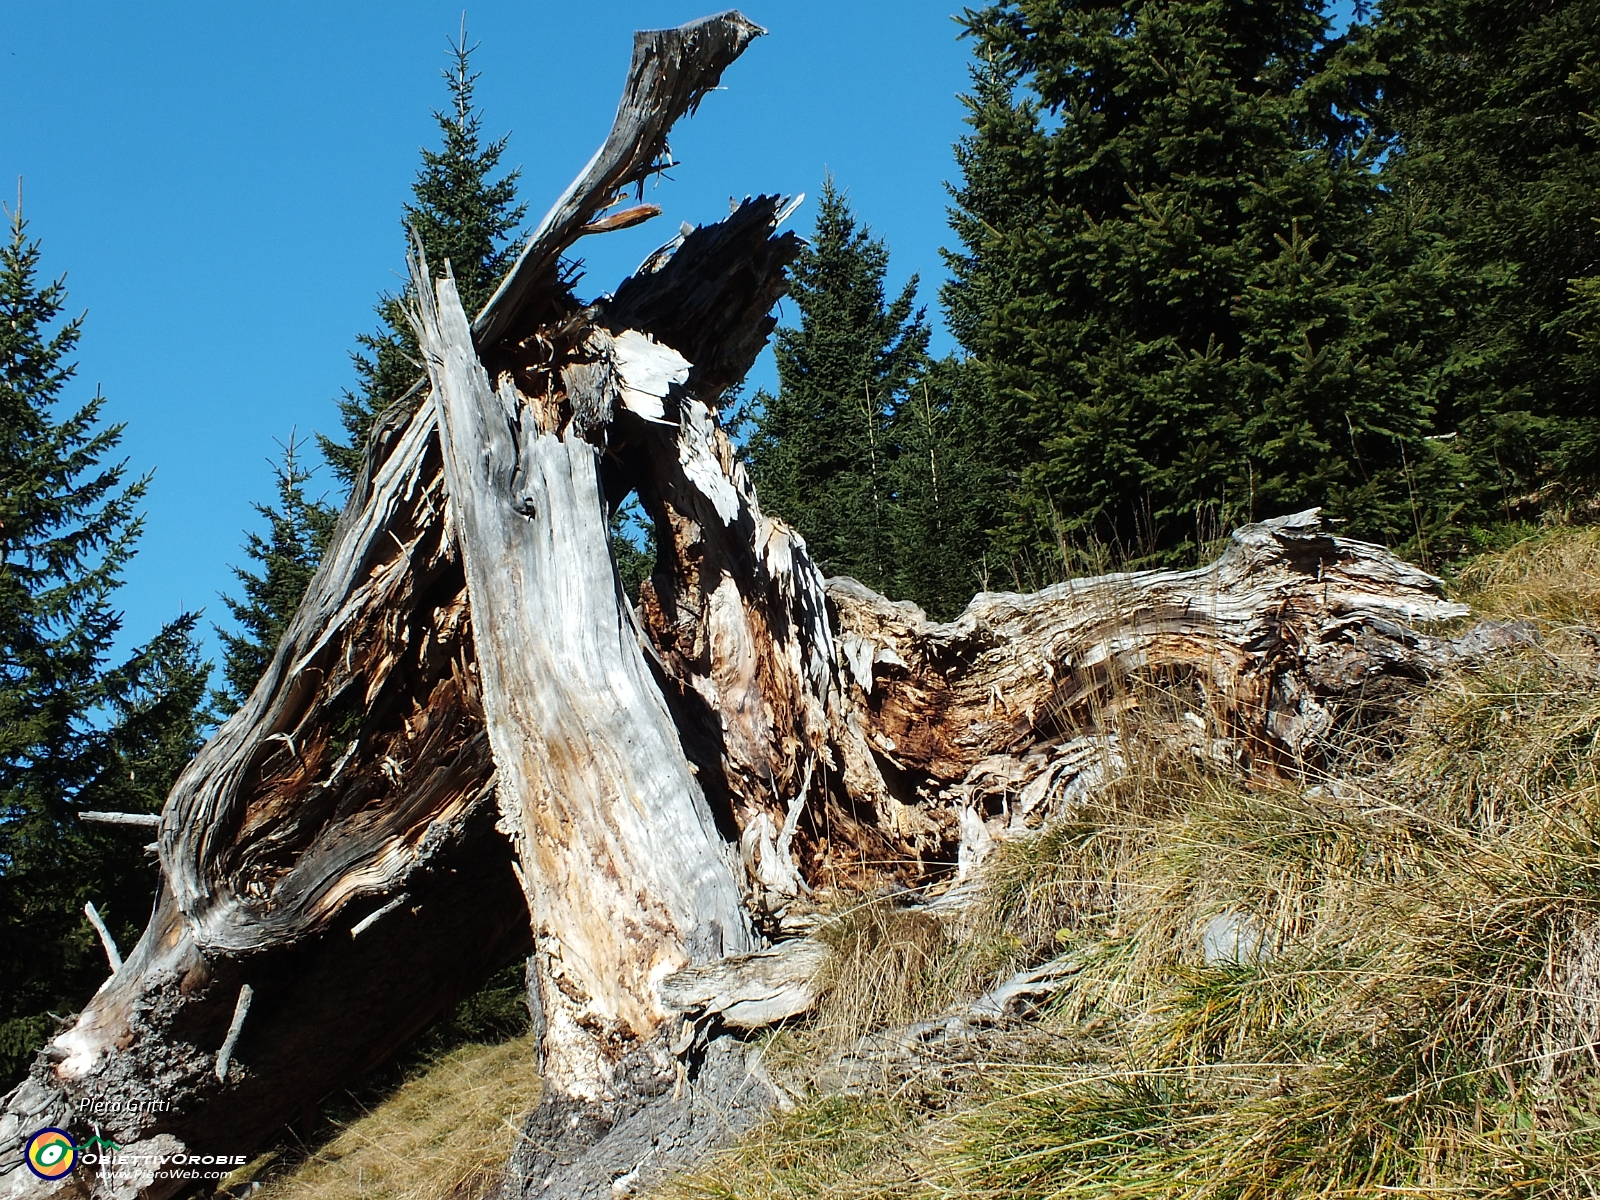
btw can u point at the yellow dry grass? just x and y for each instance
(443, 1135)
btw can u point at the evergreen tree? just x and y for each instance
(633, 546)
(1582, 322)
(74, 731)
(820, 453)
(1492, 103)
(298, 530)
(462, 214)
(1170, 281)
(946, 489)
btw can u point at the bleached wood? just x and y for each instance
(1288, 621)
(628, 878)
(751, 735)
(241, 1010)
(286, 828)
(372, 918)
(749, 991)
(648, 371)
(109, 943)
(143, 820)
(672, 69)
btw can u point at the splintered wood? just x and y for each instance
(470, 746)
(625, 869)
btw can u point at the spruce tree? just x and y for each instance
(947, 490)
(821, 453)
(75, 731)
(298, 530)
(1492, 103)
(461, 213)
(1168, 278)
(1582, 324)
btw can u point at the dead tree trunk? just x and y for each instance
(627, 876)
(467, 724)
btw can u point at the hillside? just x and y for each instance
(1383, 977)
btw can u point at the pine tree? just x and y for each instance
(1582, 324)
(298, 530)
(820, 452)
(1170, 282)
(75, 732)
(1492, 104)
(947, 489)
(462, 214)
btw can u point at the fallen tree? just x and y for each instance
(470, 745)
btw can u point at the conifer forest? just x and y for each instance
(1150, 749)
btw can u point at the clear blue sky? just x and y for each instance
(221, 184)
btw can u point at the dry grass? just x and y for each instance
(1411, 1005)
(443, 1135)
(838, 1147)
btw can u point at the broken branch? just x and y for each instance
(106, 940)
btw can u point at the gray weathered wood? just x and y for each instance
(672, 70)
(144, 820)
(628, 877)
(241, 1010)
(750, 735)
(372, 918)
(749, 991)
(358, 767)
(113, 955)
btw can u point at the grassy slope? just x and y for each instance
(1420, 1018)
(441, 1135)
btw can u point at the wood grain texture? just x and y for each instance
(357, 772)
(464, 676)
(628, 878)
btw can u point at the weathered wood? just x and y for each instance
(143, 820)
(656, 1121)
(241, 1010)
(671, 72)
(626, 219)
(325, 1012)
(1001, 712)
(990, 726)
(750, 991)
(675, 781)
(376, 915)
(627, 875)
(357, 771)
(109, 943)
(1288, 618)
